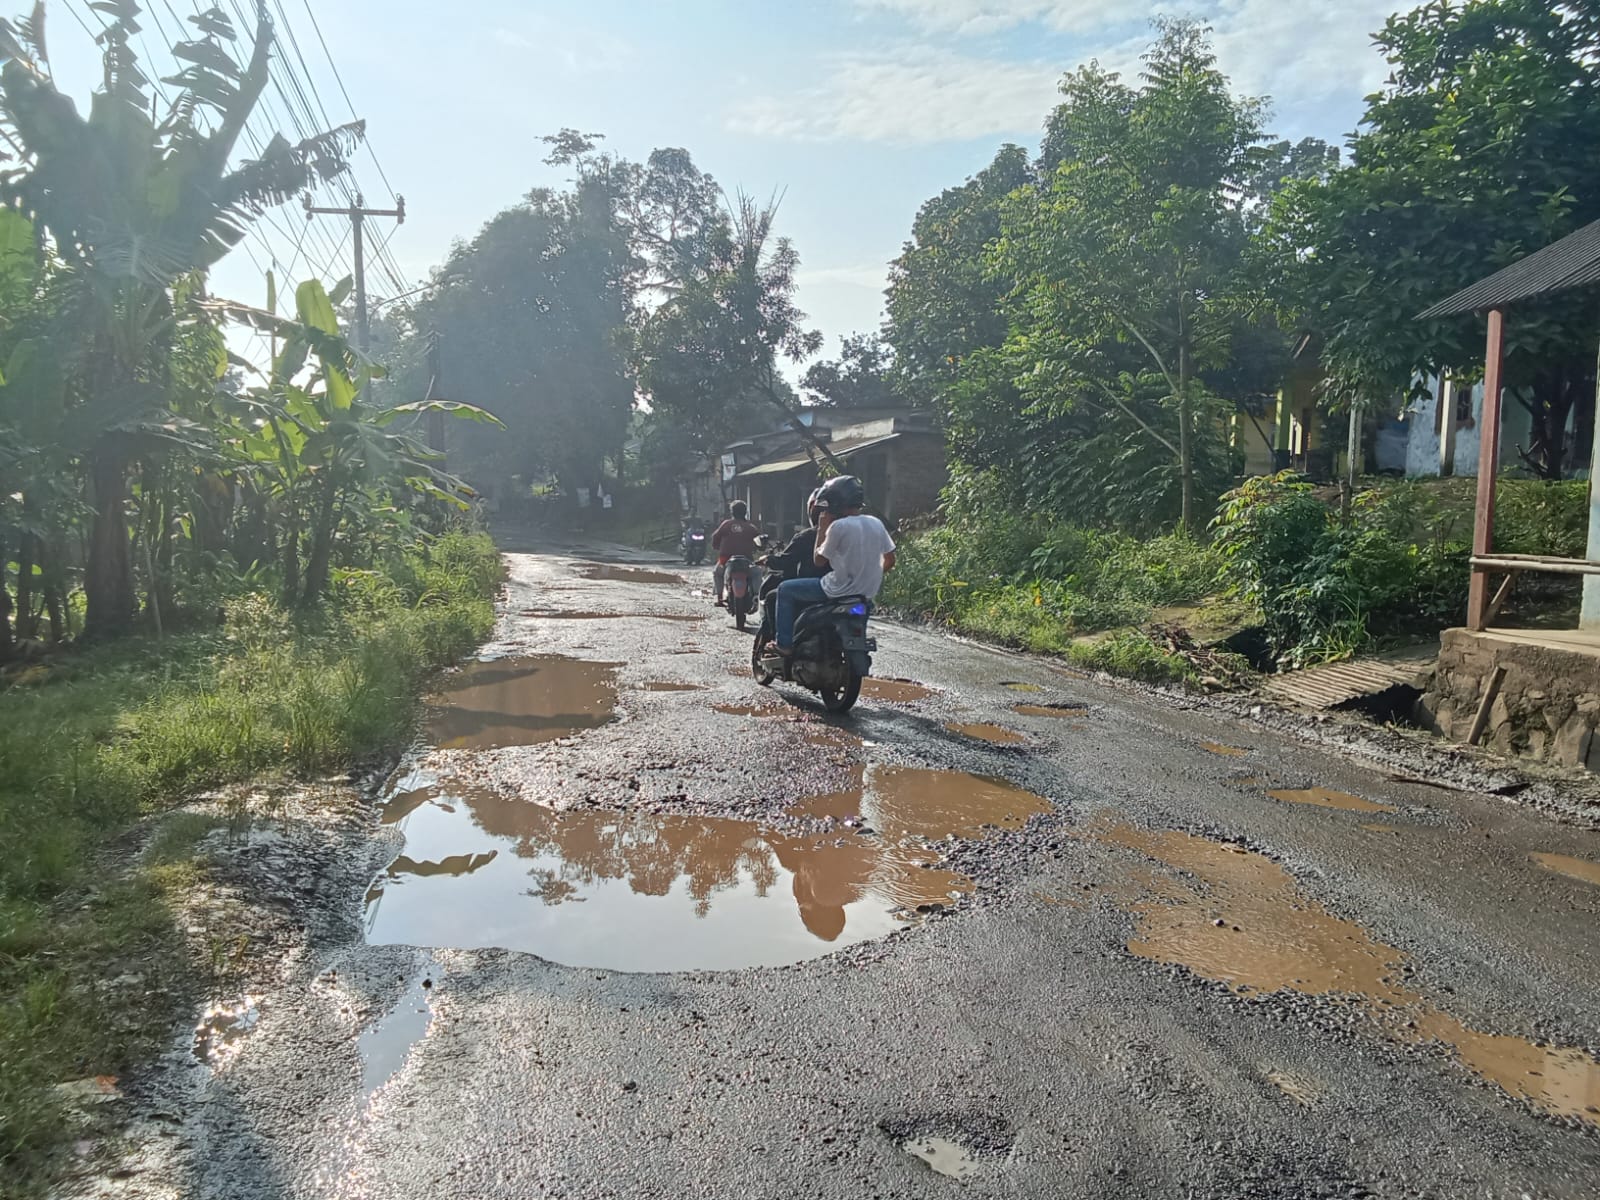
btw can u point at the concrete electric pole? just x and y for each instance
(358, 215)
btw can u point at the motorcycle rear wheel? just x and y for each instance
(842, 700)
(762, 676)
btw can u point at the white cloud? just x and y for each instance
(917, 96)
(579, 51)
(872, 276)
(985, 16)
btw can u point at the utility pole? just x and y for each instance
(358, 214)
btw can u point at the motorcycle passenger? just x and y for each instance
(735, 536)
(855, 549)
(798, 560)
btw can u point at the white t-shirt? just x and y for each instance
(854, 548)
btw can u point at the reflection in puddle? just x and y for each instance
(1328, 798)
(1574, 868)
(1225, 751)
(641, 892)
(1238, 917)
(912, 802)
(523, 701)
(1051, 710)
(999, 735)
(386, 1045)
(895, 691)
(944, 1156)
(220, 1035)
(553, 615)
(625, 574)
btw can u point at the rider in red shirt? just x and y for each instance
(734, 536)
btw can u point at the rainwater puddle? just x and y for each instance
(1051, 710)
(641, 892)
(998, 735)
(1574, 868)
(902, 803)
(651, 892)
(522, 702)
(552, 615)
(1238, 917)
(1225, 751)
(750, 710)
(615, 574)
(667, 685)
(220, 1035)
(386, 1045)
(895, 691)
(1328, 798)
(944, 1156)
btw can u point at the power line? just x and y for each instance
(349, 103)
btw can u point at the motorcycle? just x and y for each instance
(832, 652)
(739, 583)
(693, 543)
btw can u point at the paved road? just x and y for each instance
(1079, 949)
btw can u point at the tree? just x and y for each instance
(712, 349)
(1478, 150)
(1126, 257)
(861, 377)
(136, 212)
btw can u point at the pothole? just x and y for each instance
(1235, 916)
(944, 1156)
(1223, 750)
(1322, 797)
(667, 685)
(387, 1043)
(654, 893)
(997, 735)
(523, 702)
(895, 691)
(1573, 868)
(1065, 711)
(615, 574)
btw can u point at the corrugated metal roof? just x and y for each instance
(1572, 262)
(844, 449)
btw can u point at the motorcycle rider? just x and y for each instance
(735, 536)
(798, 559)
(855, 549)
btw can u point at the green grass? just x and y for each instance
(93, 744)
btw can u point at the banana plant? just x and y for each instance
(316, 443)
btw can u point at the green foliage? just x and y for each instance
(89, 745)
(1398, 565)
(1478, 150)
(1132, 655)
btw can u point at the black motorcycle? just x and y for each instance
(693, 543)
(832, 652)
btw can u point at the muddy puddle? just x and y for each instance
(522, 702)
(895, 691)
(615, 574)
(553, 615)
(752, 710)
(1223, 750)
(387, 1043)
(655, 893)
(1322, 797)
(997, 735)
(1235, 916)
(668, 685)
(1068, 711)
(1574, 868)
(944, 1156)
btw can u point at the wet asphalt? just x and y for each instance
(1016, 1025)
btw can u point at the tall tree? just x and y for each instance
(862, 376)
(1126, 258)
(1478, 150)
(137, 210)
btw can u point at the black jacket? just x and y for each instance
(798, 560)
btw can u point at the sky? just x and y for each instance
(853, 111)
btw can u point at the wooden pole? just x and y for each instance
(1488, 469)
(1589, 615)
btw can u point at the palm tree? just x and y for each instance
(137, 211)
